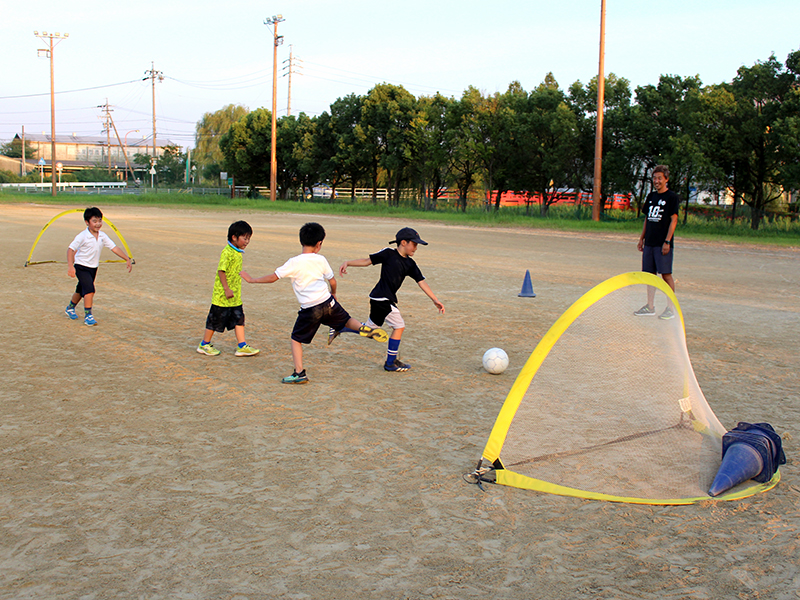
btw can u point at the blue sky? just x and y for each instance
(212, 53)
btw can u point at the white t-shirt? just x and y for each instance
(87, 248)
(309, 273)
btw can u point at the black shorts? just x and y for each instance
(221, 318)
(328, 313)
(86, 277)
(655, 262)
(378, 310)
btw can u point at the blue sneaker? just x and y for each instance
(296, 378)
(89, 320)
(71, 313)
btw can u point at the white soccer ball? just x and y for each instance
(495, 360)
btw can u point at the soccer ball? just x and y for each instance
(495, 361)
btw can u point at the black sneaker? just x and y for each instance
(396, 365)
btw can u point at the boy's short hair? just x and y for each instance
(92, 212)
(311, 234)
(238, 229)
(663, 169)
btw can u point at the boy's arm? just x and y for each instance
(271, 278)
(359, 262)
(70, 262)
(121, 253)
(223, 279)
(333, 284)
(429, 292)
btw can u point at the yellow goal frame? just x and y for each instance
(66, 212)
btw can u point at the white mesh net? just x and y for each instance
(615, 408)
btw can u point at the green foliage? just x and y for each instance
(741, 137)
(13, 149)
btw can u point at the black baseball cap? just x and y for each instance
(409, 235)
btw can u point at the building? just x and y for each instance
(76, 152)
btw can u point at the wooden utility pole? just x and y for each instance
(273, 167)
(597, 195)
(49, 37)
(152, 75)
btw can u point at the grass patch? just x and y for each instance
(780, 231)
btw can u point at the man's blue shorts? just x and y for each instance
(655, 262)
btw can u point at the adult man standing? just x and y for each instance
(657, 240)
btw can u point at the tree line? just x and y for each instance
(740, 137)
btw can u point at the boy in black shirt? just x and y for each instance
(396, 265)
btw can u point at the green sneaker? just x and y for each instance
(667, 315)
(296, 378)
(247, 350)
(207, 349)
(645, 311)
(376, 334)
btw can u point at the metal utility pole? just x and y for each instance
(49, 37)
(23, 168)
(597, 196)
(152, 75)
(107, 128)
(289, 67)
(273, 167)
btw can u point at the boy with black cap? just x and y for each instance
(396, 265)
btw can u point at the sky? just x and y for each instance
(212, 54)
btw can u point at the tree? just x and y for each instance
(208, 132)
(432, 162)
(766, 98)
(385, 130)
(171, 166)
(13, 149)
(247, 148)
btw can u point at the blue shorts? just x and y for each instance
(309, 319)
(655, 262)
(86, 277)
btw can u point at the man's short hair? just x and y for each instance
(663, 169)
(238, 229)
(92, 212)
(311, 234)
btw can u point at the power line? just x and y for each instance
(99, 87)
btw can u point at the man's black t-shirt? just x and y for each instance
(658, 210)
(394, 269)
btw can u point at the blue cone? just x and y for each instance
(740, 463)
(527, 287)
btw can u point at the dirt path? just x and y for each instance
(133, 467)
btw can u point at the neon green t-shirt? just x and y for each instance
(230, 261)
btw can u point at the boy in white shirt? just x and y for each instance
(83, 258)
(311, 275)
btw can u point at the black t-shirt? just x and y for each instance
(658, 210)
(394, 269)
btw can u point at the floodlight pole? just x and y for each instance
(273, 167)
(48, 37)
(597, 195)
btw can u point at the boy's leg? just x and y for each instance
(205, 346)
(297, 356)
(243, 349)
(395, 320)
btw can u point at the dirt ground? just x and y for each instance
(133, 467)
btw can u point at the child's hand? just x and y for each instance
(343, 269)
(246, 276)
(440, 306)
(229, 293)
(71, 271)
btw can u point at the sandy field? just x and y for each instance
(133, 467)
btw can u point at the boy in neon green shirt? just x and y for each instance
(226, 310)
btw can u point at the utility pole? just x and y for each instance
(273, 167)
(23, 166)
(597, 195)
(290, 68)
(107, 128)
(45, 37)
(152, 75)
